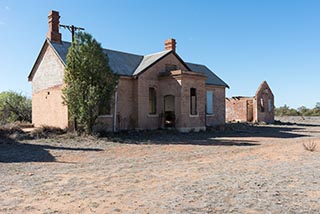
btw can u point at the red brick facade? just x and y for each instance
(133, 100)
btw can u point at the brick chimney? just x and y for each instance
(53, 32)
(170, 44)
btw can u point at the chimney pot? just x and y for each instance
(53, 32)
(170, 44)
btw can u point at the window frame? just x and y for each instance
(207, 104)
(193, 102)
(269, 105)
(152, 108)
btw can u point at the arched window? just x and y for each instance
(152, 101)
(270, 105)
(262, 105)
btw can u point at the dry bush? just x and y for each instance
(23, 124)
(46, 131)
(310, 145)
(9, 129)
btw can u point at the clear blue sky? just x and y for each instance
(244, 42)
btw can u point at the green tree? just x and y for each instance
(89, 80)
(286, 111)
(14, 107)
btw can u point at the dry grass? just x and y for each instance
(310, 146)
(9, 129)
(46, 131)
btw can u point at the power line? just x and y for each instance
(72, 29)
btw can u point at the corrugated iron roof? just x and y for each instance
(132, 64)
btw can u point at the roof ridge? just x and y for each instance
(160, 52)
(124, 52)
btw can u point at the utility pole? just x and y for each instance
(72, 29)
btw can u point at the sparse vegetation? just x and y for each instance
(46, 131)
(310, 145)
(14, 107)
(301, 111)
(89, 80)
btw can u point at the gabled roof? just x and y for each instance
(127, 64)
(212, 78)
(263, 85)
(149, 60)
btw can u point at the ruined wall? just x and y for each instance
(264, 112)
(236, 109)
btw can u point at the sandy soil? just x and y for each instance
(252, 169)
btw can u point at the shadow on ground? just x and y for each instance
(208, 138)
(12, 151)
(277, 122)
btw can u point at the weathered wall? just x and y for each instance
(150, 78)
(219, 107)
(47, 108)
(133, 97)
(50, 70)
(126, 110)
(170, 86)
(236, 109)
(187, 121)
(262, 96)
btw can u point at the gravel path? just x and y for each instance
(259, 169)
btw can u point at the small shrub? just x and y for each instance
(310, 146)
(9, 129)
(47, 131)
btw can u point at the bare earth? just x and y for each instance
(259, 169)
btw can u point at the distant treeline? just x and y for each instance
(301, 111)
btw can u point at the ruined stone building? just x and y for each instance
(158, 90)
(259, 108)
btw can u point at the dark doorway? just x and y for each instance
(169, 111)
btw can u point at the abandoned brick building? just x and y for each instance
(154, 91)
(259, 108)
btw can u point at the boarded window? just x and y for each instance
(209, 102)
(262, 105)
(171, 67)
(269, 105)
(152, 101)
(193, 101)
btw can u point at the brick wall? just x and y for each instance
(47, 107)
(150, 78)
(219, 107)
(126, 110)
(187, 121)
(133, 97)
(236, 109)
(263, 95)
(50, 70)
